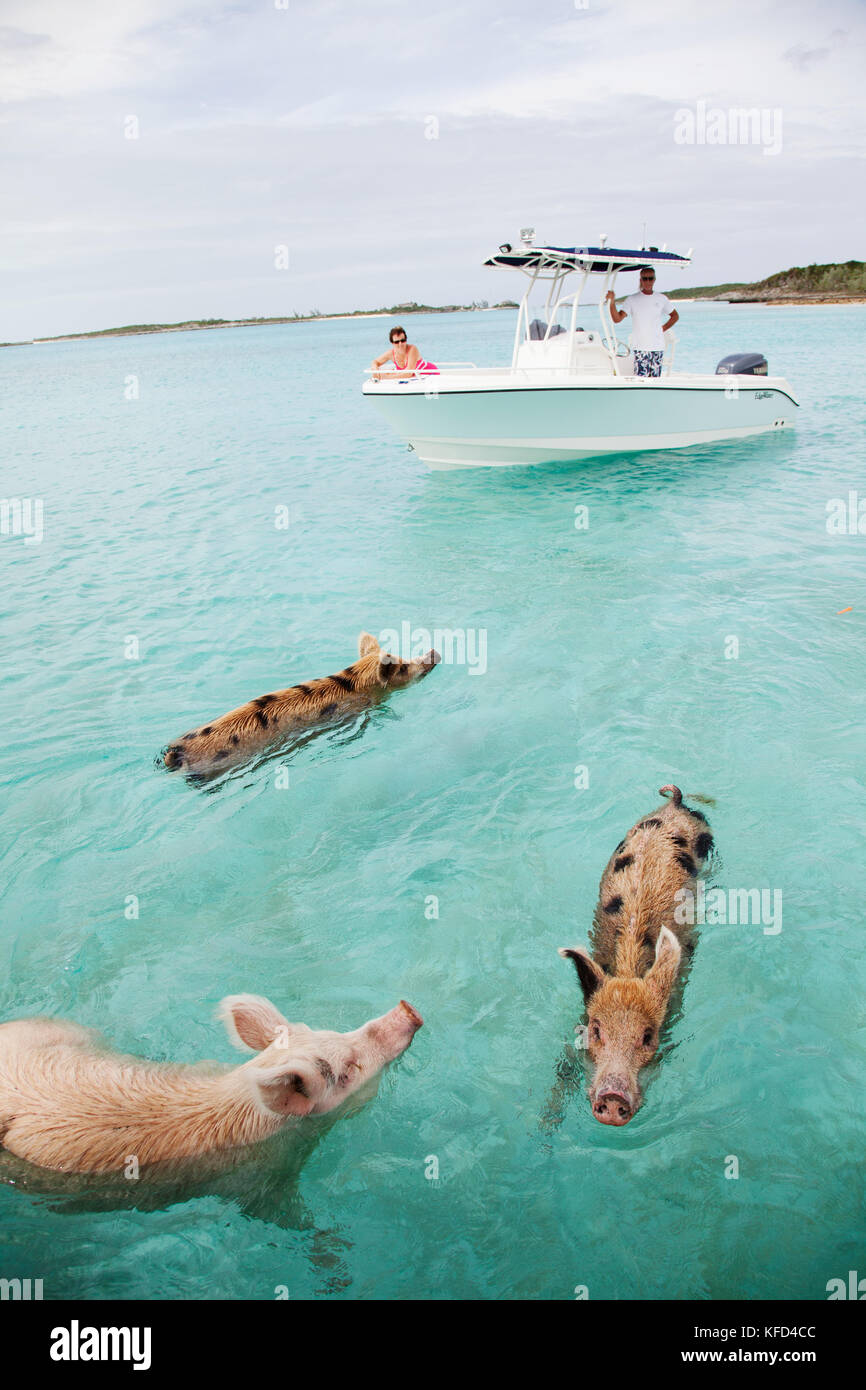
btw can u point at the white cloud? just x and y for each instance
(307, 125)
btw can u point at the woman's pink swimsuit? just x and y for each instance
(421, 367)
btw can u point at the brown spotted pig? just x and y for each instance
(636, 949)
(251, 728)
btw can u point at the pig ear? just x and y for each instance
(252, 1021)
(387, 668)
(591, 976)
(367, 644)
(663, 971)
(290, 1089)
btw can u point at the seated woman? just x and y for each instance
(405, 358)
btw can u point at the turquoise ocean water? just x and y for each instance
(606, 648)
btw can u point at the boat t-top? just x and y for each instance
(571, 392)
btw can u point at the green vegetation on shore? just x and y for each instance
(394, 311)
(704, 292)
(836, 283)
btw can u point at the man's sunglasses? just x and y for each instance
(398, 340)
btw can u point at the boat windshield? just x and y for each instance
(545, 321)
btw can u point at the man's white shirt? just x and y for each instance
(648, 313)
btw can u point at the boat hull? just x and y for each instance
(505, 421)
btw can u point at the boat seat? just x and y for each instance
(580, 351)
(538, 330)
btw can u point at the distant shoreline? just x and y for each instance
(767, 303)
(801, 303)
(795, 301)
(819, 302)
(838, 282)
(196, 325)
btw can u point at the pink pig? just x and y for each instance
(69, 1103)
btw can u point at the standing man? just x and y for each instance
(647, 310)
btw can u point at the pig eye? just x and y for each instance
(648, 1037)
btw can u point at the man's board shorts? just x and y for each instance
(648, 363)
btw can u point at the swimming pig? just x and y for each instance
(250, 728)
(637, 948)
(70, 1104)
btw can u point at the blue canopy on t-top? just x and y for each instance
(596, 260)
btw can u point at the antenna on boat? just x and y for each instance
(643, 242)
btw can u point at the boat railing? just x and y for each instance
(458, 368)
(425, 371)
(670, 339)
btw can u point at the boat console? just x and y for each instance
(578, 350)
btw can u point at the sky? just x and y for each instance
(165, 160)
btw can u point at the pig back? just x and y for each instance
(660, 855)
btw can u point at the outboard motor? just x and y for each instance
(742, 364)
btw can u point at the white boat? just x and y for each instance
(570, 392)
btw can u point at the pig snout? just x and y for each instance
(613, 1101)
(392, 1033)
(430, 660)
(412, 1015)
